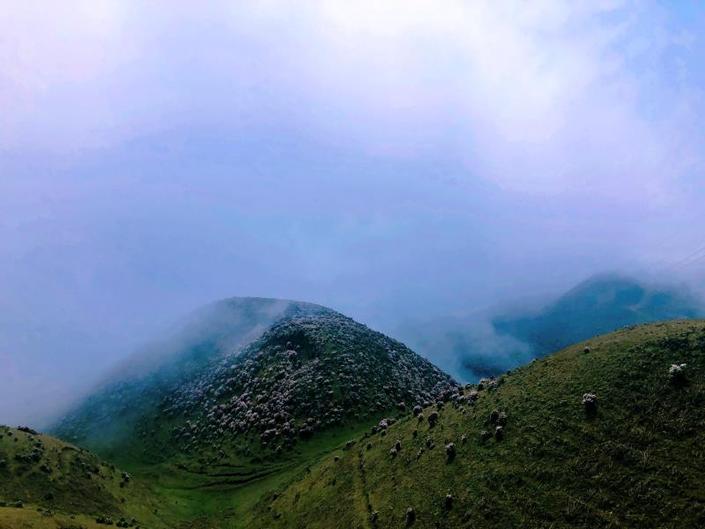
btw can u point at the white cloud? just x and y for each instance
(54, 61)
(544, 97)
(389, 158)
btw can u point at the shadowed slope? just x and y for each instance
(599, 305)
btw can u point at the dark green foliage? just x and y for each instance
(312, 370)
(110, 420)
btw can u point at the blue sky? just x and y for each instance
(394, 160)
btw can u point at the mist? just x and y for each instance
(394, 161)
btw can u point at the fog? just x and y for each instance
(399, 160)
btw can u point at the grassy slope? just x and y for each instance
(30, 517)
(639, 463)
(205, 491)
(198, 491)
(67, 481)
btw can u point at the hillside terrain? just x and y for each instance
(319, 422)
(229, 422)
(602, 434)
(110, 416)
(311, 370)
(45, 482)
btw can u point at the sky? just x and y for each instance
(394, 160)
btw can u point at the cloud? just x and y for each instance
(397, 159)
(549, 97)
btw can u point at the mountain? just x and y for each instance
(283, 372)
(298, 416)
(45, 482)
(246, 395)
(110, 415)
(471, 346)
(602, 436)
(599, 305)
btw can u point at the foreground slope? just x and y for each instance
(636, 462)
(45, 482)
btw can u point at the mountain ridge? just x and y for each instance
(554, 443)
(475, 345)
(600, 304)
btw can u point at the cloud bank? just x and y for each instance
(393, 160)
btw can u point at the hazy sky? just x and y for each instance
(392, 159)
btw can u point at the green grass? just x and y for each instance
(638, 463)
(36, 517)
(189, 491)
(43, 472)
(213, 492)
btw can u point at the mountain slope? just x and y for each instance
(110, 415)
(474, 345)
(306, 373)
(312, 369)
(40, 474)
(229, 423)
(635, 462)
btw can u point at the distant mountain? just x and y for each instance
(581, 440)
(488, 343)
(250, 372)
(597, 306)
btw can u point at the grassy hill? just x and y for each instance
(637, 461)
(129, 398)
(45, 482)
(313, 369)
(210, 436)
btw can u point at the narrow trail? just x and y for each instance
(362, 496)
